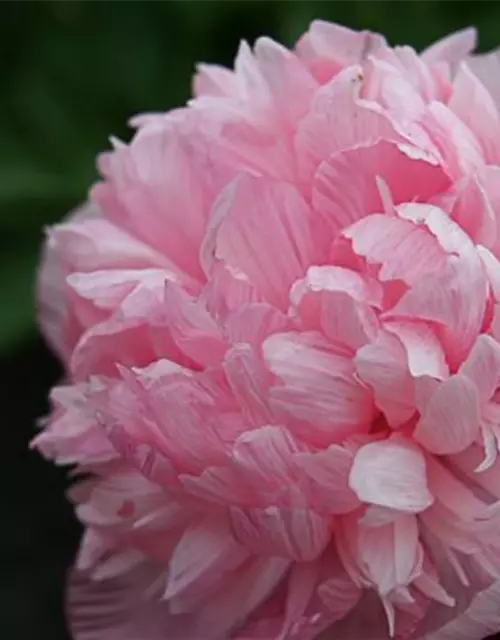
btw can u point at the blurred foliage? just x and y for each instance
(73, 72)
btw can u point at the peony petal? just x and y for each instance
(256, 210)
(479, 620)
(327, 473)
(72, 434)
(249, 381)
(222, 614)
(316, 390)
(423, 349)
(153, 191)
(334, 301)
(253, 323)
(345, 185)
(452, 49)
(296, 533)
(483, 367)
(227, 291)
(337, 121)
(96, 244)
(391, 474)
(195, 333)
(459, 147)
(214, 80)
(454, 299)
(472, 103)
(206, 552)
(486, 67)
(301, 586)
(450, 422)
(474, 203)
(387, 557)
(266, 457)
(327, 48)
(119, 609)
(290, 82)
(383, 365)
(405, 251)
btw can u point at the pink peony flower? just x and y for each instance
(279, 316)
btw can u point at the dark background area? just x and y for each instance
(71, 73)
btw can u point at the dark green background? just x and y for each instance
(71, 73)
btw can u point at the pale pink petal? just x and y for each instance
(55, 317)
(249, 380)
(451, 49)
(290, 83)
(474, 203)
(459, 147)
(345, 185)
(97, 244)
(253, 323)
(393, 89)
(135, 335)
(214, 80)
(227, 291)
(334, 301)
(454, 299)
(227, 610)
(405, 251)
(71, 433)
(153, 192)
(225, 137)
(193, 330)
(425, 354)
(483, 367)
(472, 103)
(383, 365)
(205, 552)
(327, 48)
(338, 121)
(219, 485)
(97, 294)
(450, 422)
(338, 279)
(391, 474)
(316, 389)
(266, 457)
(429, 81)
(296, 533)
(327, 473)
(486, 67)
(253, 211)
(387, 557)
